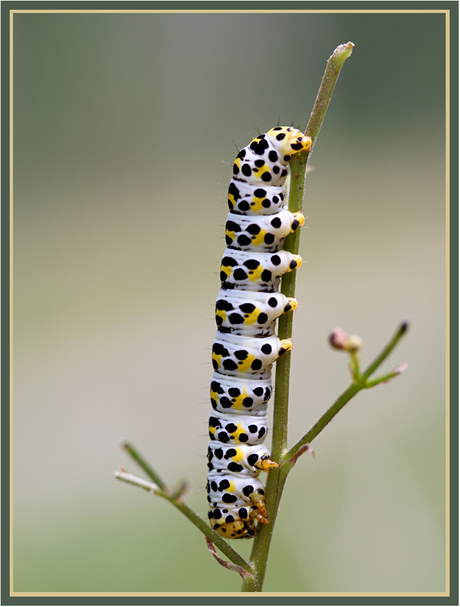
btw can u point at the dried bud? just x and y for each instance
(342, 341)
(338, 338)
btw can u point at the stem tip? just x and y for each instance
(404, 326)
(401, 368)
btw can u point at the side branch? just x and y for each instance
(360, 383)
(146, 467)
(175, 496)
(402, 329)
(343, 399)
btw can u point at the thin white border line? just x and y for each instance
(11, 303)
(447, 160)
(233, 11)
(307, 594)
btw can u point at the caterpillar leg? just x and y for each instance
(265, 463)
(260, 512)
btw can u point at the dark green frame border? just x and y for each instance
(6, 598)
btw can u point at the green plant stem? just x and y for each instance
(277, 478)
(328, 82)
(298, 167)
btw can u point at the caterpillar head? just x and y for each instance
(289, 140)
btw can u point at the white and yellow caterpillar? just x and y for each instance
(246, 346)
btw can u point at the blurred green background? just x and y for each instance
(123, 139)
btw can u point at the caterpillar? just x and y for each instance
(246, 346)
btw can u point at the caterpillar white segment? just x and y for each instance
(250, 312)
(241, 356)
(246, 346)
(248, 396)
(256, 271)
(267, 233)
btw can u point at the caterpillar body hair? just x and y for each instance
(246, 346)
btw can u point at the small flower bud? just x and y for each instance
(354, 343)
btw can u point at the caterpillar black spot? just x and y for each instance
(245, 346)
